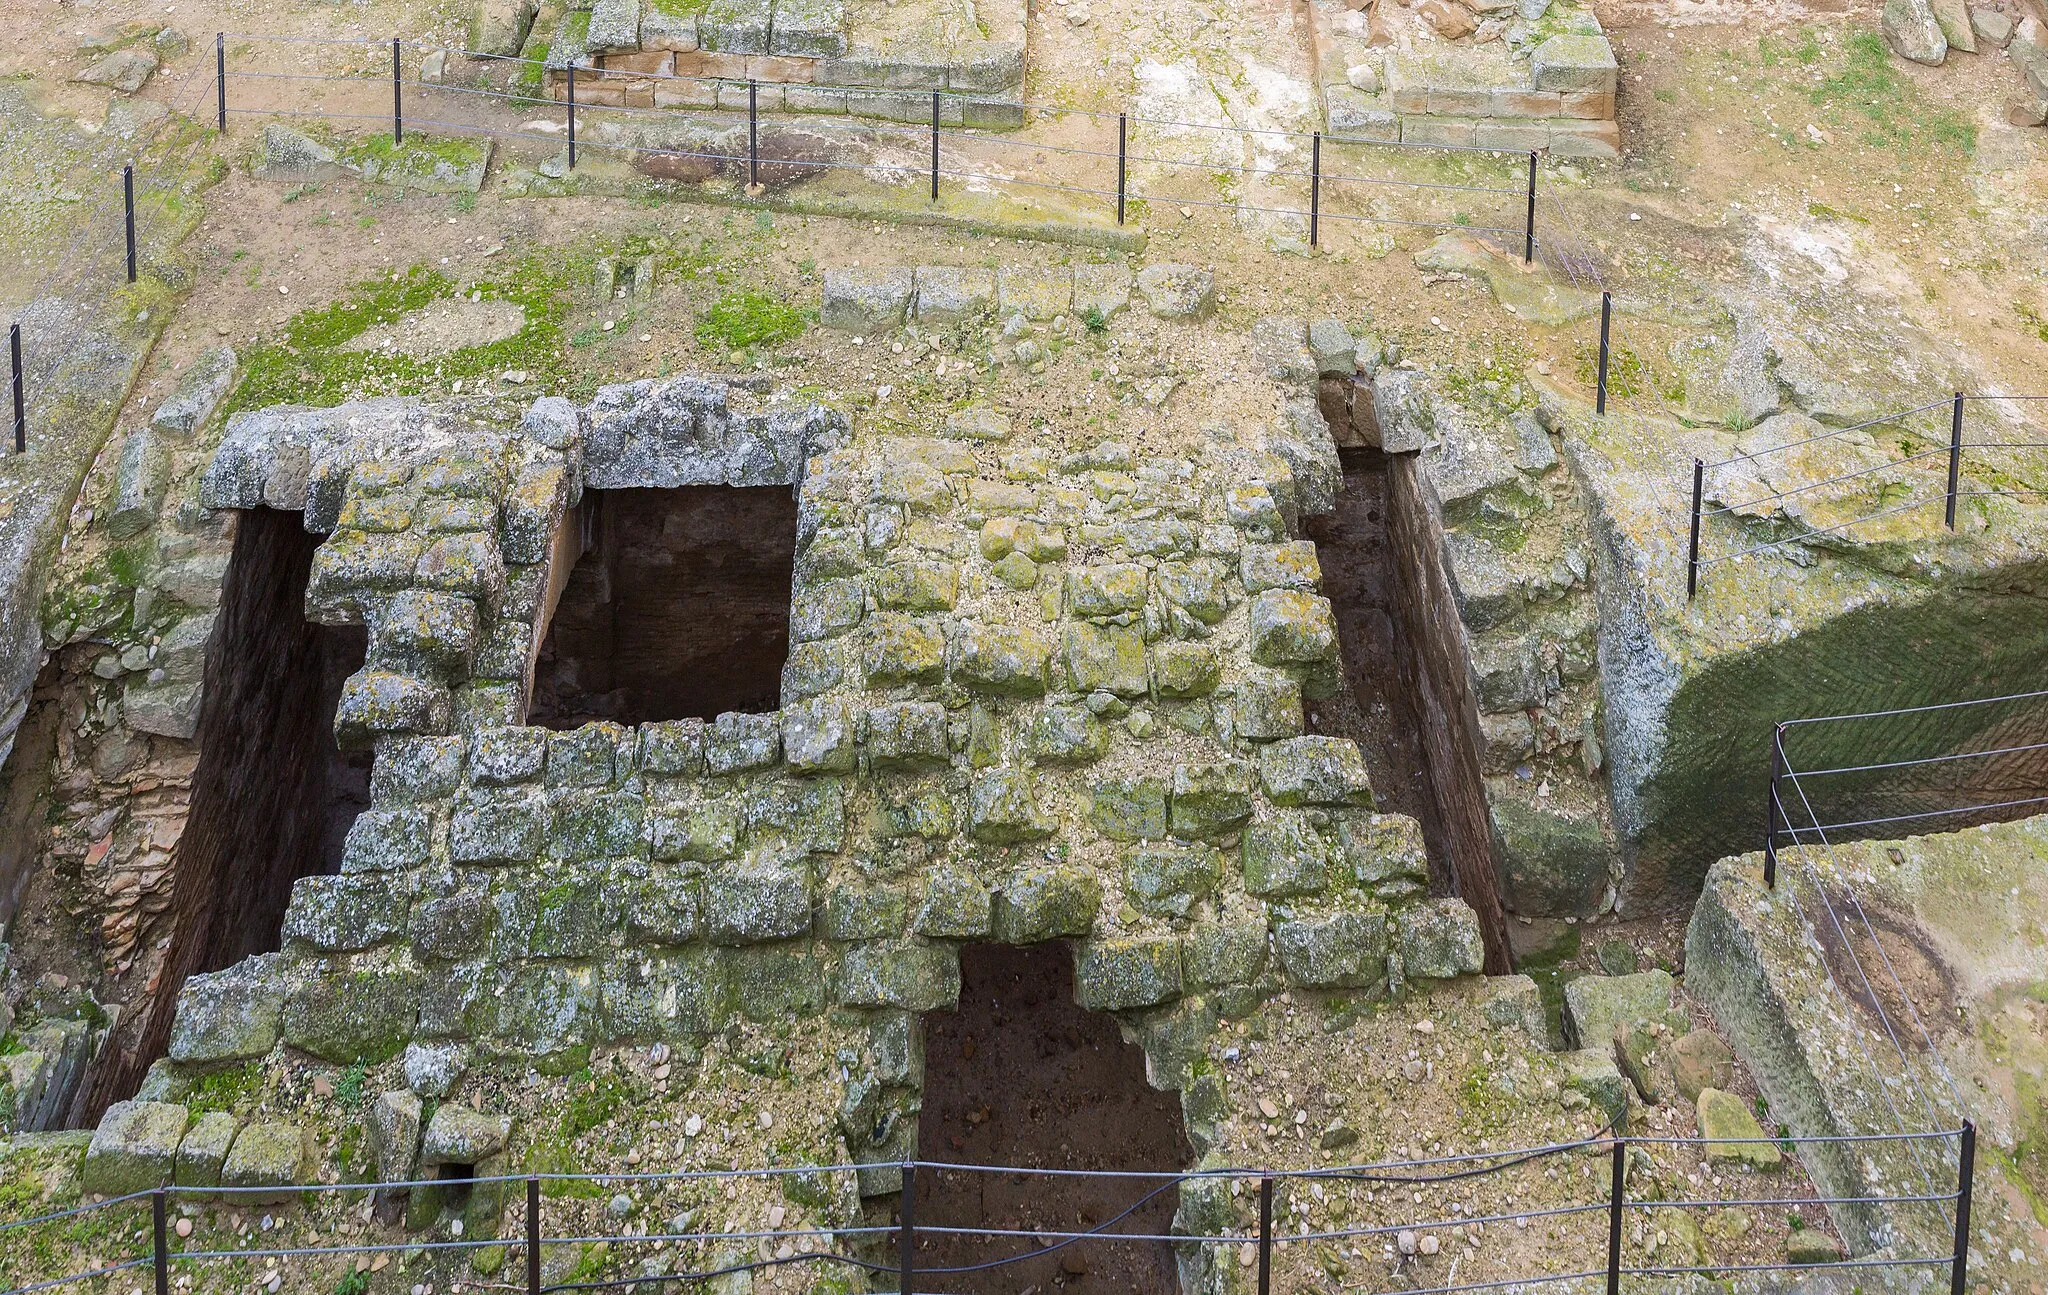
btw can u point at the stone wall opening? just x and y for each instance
(678, 607)
(1407, 699)
(1021, 1075)
(272, 797)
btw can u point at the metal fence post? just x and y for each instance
(1966, 1171)
(1773, 808)
(906, 1236)
(20, 396)
(1606, 320)
(1614, 1202)
(572, 113)
(1529, 222)
(1315, 185)
(533, 1234)
(397, 97)
(935, 146)
(1955, 456)
(220, 74)
(1699, 476)
(1265, 1236)
(753, 134)
(160, 1241)
(1123, 140)
(128, 202)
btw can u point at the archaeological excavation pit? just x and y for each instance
(273, 796)
(678, 607)
(1020, 1075)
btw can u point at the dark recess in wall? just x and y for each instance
(1407, 700)
(678, 608)
(1021, 1075)
(272, 796)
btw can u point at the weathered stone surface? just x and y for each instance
(124, 70)
(1573, 62)
(1167, 880)
(1346, 949)
(134, 1148)
(1284, 857)
(1314, 771)
(1120, 974)
(907, 734)
(345, 912)
(1953, 16)
(1596, 1007)
(433, 1069)
(1003, 808)
(197, 394)
(394, 1129)
(818, 736)
(758, 903)
(1289, 627)
(1105, 658)
(1592, 1073)
(270, 1154)
(204, 1149)
(1046, 905)
(614, 25)
(1128, 807)
(1210, 800)
(1224, 953)
(499, 26)
(1438, 939)
(457, 1135)
(138, 485)
(735, 27)
(1002, 658)
(1556, 865)
(1732, 1133)
(864, 299)
(911, 976)
(1912, 31)
(1178, 291)
(343, 1017)
(1700, 1060)
(946, 293)
(229, 1015)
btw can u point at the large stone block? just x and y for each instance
(1346, 949)
(1224, 953)
(818, 736)
(866, 299)
(134, 1148)
(1314, 771)
(497, 827)
(394, 1130)
(1914, 33)
(809, 28)
(1284, 857)
(1177, 291)
(1596, 1008)
(1210, 800)
(806, 815)
(1573, 62)
(903, 649)
(757, 903)
(1556, 865)
(269, 1155)
(1002, 658)
(954, 906)
(1105, 658)
(907, 734)
(204, 1149)
(458, 1135)
(598, 825)
(229, 1015)
(667, 996)
(346, 1016)
(1003, 809)
(948, 292)
(1120, 974)
(1046, 905)
(901, 974)
(1067, 734)
(1290, 627)
(735, 26)
(1167, 880)
(1438, 939)
(1127, 807)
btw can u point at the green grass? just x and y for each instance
(746, 318)
(1868, 85)
(2032, 319)
(225, 1090)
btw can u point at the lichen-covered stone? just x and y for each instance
(1290, 627)
(346, 912)
(598, 825)
(1268, 705)
(1592, 1073)
(134, 1148)
(1385, 852)
(1438, 939)
(947, 292)
(204, 1149)
(673, 748)
(908, 975)
(776, 983)
(1346, 949)
(346, 1016)
(269, 1154)
(587, 756)
(1128, 807)
(667, 995)
(1314, 771)
(697, 832)
(410, 770)
(433, 1069)
(1732, 1132)
(1002, 659)
(1103, 658)
(807, 815)
(1200, 587)
(907, 734)
(497, 827)
(855, 911)
(1291, 565)
(736, 743)
(377, 703)
(394, 1133)
(819, 736)
(1597, 1007)
(500, 757)
(1046, 905)
(229, 1015)
(954, 906)
(757, 903)
(1224, 953)
(1284, 857)
(1119, 974)
(1178, 291)
(902, 649)
(1167, 880)
(826, 609)
(543, 1009)
(1555, 864)
(1210, 800)
(1185, 669)
(1102, 591)
(1068, 734)
(1003, 809)
(457, 1135)
(861, 299)
(665, 910)
(917, 586)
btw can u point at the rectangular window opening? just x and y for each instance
(676, 608)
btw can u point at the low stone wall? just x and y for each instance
(1535, 77)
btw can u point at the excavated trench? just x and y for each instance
(1019, 1075)
(1407, 698)
(272, 796)
(677, 608)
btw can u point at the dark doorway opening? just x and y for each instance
(1019, 1075)
(677, 609)
(272, 797)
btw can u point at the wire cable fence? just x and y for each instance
(899, 1248)
(1898, 463)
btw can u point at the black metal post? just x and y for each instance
(753, 134)
(533, 1234)
(1614, 1201)
(1265, 1236)
(128, 201)
(1529, 222)
(1955, 456)
(220, 75)
(572, 113)
(161, 1245)
(1773, 809)
(906, 1236)
(397, 98)
(20, 396)
(1966, 1171)
(1123, 144)
(935, 146)
(1606, 320)
(1315, 185)
(1699, 473)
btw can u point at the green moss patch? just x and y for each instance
(743, 319)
